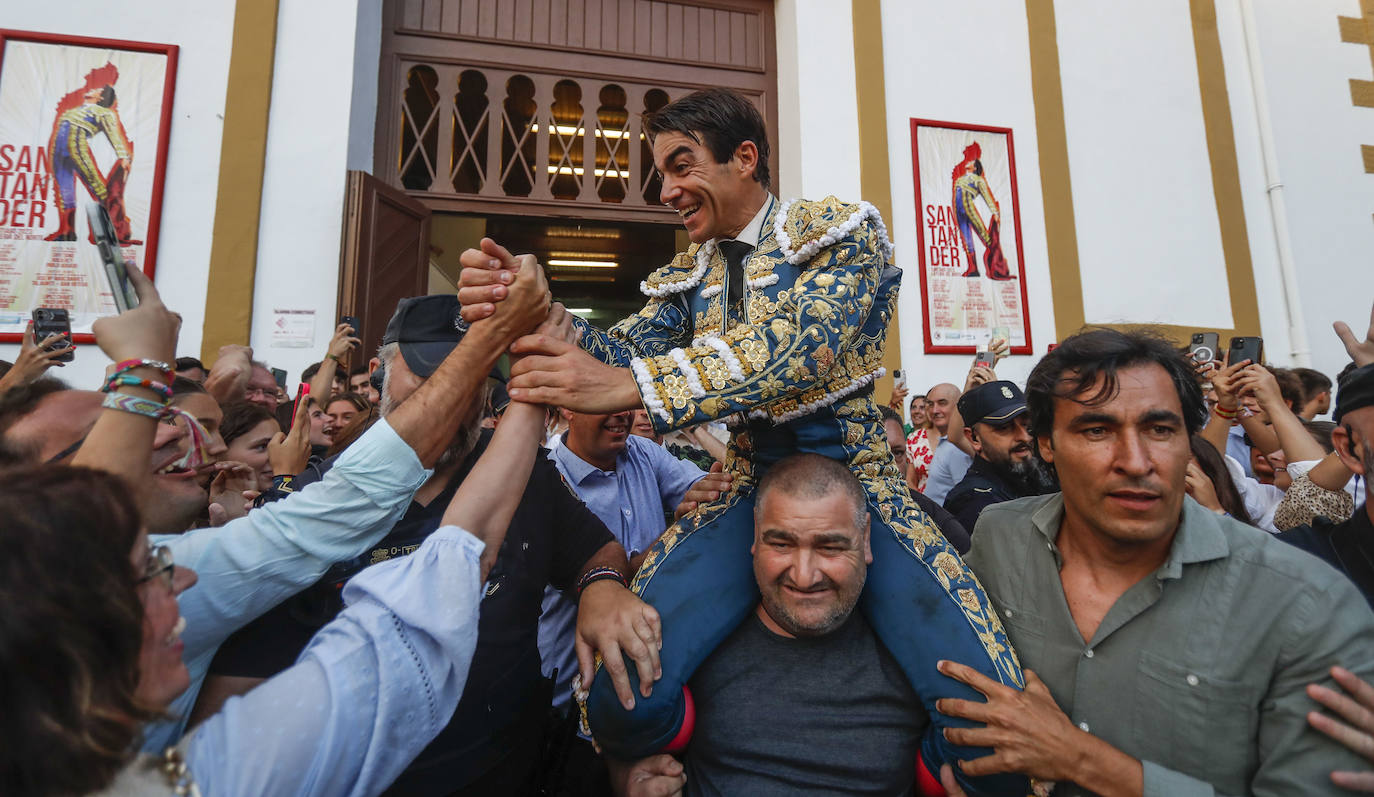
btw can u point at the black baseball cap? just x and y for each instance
(427, 328)
(1355, 392)
(993, 403)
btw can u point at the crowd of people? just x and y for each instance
(691, 554)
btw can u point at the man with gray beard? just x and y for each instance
(495, 733)
(1004, 465)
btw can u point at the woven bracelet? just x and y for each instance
(601, 574)
(137, 405)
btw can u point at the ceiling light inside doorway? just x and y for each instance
(562, 263)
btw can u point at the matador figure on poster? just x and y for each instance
(774, 320)
(971, 185)
(81, 115)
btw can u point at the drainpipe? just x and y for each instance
(1292, 302)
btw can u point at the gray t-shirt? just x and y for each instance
(821, 715)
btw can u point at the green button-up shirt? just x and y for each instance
(1198, 671)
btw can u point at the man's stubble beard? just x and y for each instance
(777, 610)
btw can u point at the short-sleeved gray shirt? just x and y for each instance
(821, 715)
(1198, 671)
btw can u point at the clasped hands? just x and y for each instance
(547, 366)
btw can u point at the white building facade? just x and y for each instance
(1197, 164)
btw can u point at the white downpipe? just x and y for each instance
(1292, 302)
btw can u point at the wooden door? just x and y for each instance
(385, 255)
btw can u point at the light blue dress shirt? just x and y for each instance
(630, 500)
(1238, 450)
(369, 692)
(251, 564)
(946, 470)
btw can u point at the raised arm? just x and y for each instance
(322, 384)
(228, 377)
(381, 680)
(121, 442)
(1297, 443)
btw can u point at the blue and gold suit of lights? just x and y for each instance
(791, 370)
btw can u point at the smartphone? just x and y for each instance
(898, 380)
(116, 270)
(279, 375)
(984, 359)
(301, 395)
(1203, 348)
(49, 321)
(1246, 348)
(353, 322)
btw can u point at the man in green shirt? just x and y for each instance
(1170, 645)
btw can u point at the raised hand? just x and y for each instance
(290, 453)
(1361, 351)
(525, 307)
(148, 331)
(487, 273)
(344, 341)
(34, 359)
(1226, 382)
(977, 375)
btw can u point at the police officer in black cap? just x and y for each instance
(1349, 546)
(1004, 463)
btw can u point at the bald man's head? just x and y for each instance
(940, 401)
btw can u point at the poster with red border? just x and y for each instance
(82, 121)
(968, 226)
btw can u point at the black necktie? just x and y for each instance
(735, 252)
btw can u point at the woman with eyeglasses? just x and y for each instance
(89, 646)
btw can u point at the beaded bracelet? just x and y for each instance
(600, 574)
(134, 404)
(122, 380)
(129, 365)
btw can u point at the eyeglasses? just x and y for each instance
(159, 564)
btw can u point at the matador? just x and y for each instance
(774, 319)
(82, 115)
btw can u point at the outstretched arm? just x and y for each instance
(381, 680)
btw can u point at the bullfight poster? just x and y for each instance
(968, 224)
(82, 121)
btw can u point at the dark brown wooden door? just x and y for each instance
(385, 255)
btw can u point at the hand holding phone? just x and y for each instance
(50, 321)
(301, 395)
(1246, 348)
(1203, 348)
(984, 359)
(116, 270)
